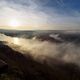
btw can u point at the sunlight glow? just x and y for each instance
(16, 40)
(14, 23)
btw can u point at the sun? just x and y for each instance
(14, 23)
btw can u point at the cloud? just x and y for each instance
(37, 14)
(42, 50)
(60, 2)
(27, 14)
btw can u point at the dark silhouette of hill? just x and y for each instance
(44, 35)
(27, 68)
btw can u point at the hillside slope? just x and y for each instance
(25, 68)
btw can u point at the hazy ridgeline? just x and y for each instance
(43, 50)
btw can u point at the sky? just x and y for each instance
(40, 14)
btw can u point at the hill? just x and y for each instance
(22, 67)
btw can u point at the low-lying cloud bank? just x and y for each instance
(68, 52)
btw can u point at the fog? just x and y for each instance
(41, 50)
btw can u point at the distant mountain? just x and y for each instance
(45, 35)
